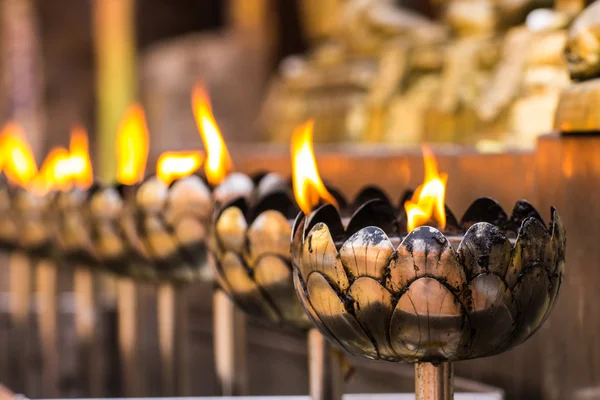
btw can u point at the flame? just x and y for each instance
(79, 155)
(19, 163)
(218, 162)
(309, 190)
(174, 165)
(132, 146)
(56, 172)
(428, 201)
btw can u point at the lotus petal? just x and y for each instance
(485, 249)
(328, 215)
(425, 251)
(218, 273)
(369, 193)
(428, 323)
(332, 312)
(244, 290)
(231, 229)
(160, 243)
(189, 196)
(484, 209)
(533, 247)
(492, 314)
(374, 212)
(532, 296)
(269, 234)
(273, 275)
(319, 254)
(277, 201)
(310, 311)
(373, 309)
(297, 239)
(189, 231)
(367, 253)
(559, 243)
(521, 211)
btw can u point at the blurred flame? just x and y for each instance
(79, 155)
(56, 172)
(428, 201)
(19, 163)
(309, 190)
(218, 162)
(174, 165)
(132, 146)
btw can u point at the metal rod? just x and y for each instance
(166, 336)
(434, 382)
(128, 337)
(47, 296)
(89, 341)
(326, 375)
(230, 346)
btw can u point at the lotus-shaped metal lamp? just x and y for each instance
(479, 288)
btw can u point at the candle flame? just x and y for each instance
(175, 165)
(132, 146)
(80, 162)
(309, 189)
(428, 202)
(218, 162)
(56, 173)
(19, 163)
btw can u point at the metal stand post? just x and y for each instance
(230, 346)
(326, 377)
(434, 382)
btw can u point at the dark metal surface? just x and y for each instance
(427, 299)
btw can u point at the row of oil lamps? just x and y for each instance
(406, 283)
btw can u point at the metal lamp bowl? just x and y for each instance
(250, 246)
(480, 288)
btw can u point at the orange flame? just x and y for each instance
(55, 174)
(218, 162)
(428, 201)
(132, 146)
(174, 165)
(309, 189)
(80, 164)
(19, 163)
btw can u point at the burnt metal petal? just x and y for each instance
(219, 275)
(276, 201)
(310, 311)
(274, 277)
(370, 193)
(428, 323)
(492, 314)
(425, 252)
(532, 248)
(332, 312)
(532, 295)
(367, 253)
(328, 215)
(484, 248)
(244, 290)
(231, 229)
(319, 254)
(374, 212)
(521, 211)
(559, 243)
(484, 209)
(269, 233)
(189, 231)
(373, 309)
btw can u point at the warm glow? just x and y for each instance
(428, 202)
(55, 173)
(79, 161)
(218, 162)
(172, 166)
(309, 190)
(19, 164)
(132, 146)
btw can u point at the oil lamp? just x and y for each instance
(414, 285)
